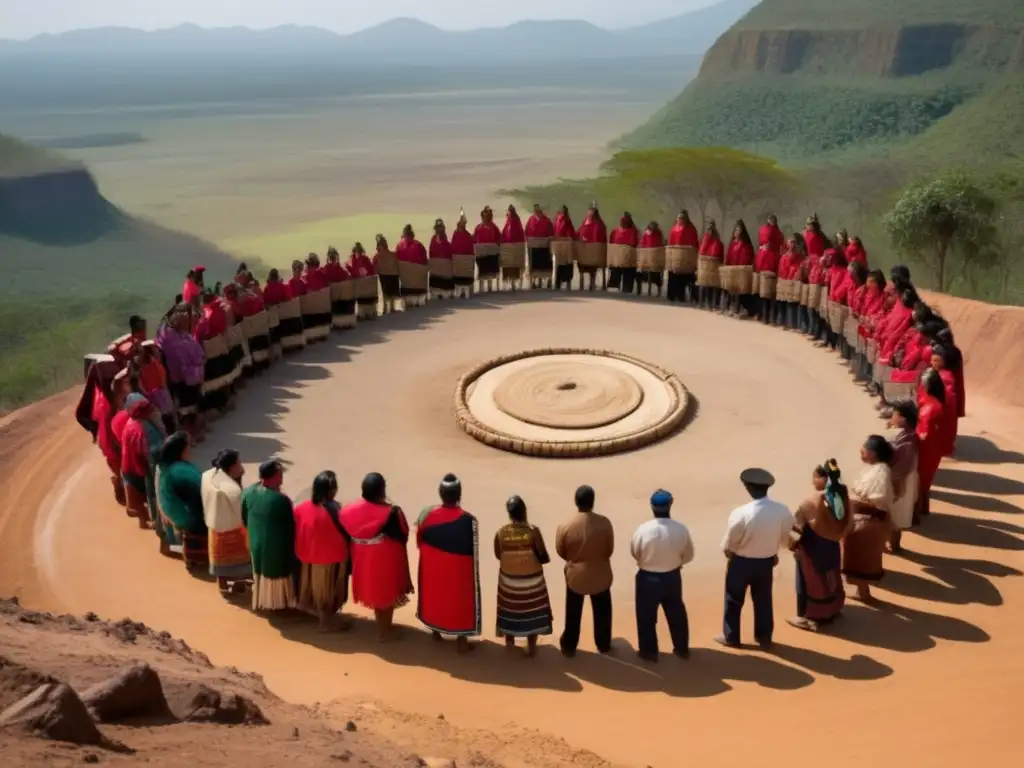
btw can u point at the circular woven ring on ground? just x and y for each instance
(565, 395)
(569, 403)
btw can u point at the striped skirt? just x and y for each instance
(524, 608)
(323, 587)
(229, 554)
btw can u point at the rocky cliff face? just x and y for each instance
(881, 51)
(61, 206)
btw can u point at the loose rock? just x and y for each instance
(54, 711)
(134, 692)
(198, 703)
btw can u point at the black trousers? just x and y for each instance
(663, 591)
(755, 574)
(601, 604)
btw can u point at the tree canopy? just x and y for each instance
(946, 223)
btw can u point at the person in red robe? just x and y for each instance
(939, 363)
(487, 234)
(711, 246)
(232, 304)
(623, 278)
(124, 348)
(192, 290)
(855, 251)
(564, 230)
(359, 266)
(814, 237)
(513, 234)
(449, 567)
(411, 251)
(770, 242)
(322, 549)
(872, 309)
(343, 311)
(838, 295)
(213, 321)
(652, 237)
(790, 264)
(855, 292)
(380, 563)
(931, 422)
(442, 285)
(462, 245)
(276, 291)
(740, 254)
(593, 230)
(539, 231)
(954, 363)
(888, 335)
(95, 413)
(681, 287)
(313, 276)
(296, 285)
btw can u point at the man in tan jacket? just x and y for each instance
(586, 542)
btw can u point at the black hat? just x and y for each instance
(269, 468)
(759, 478)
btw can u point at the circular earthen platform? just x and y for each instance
(569, 403)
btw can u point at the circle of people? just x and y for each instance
(148, 401)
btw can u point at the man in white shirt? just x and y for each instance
(661, 547)
(754, 535)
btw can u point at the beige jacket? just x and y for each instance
(586, 542)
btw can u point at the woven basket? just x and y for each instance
(755, 284)
(256, 325)
(709, 272)
(273, 317)
(216, 347)
(871, 352)
(767, 289)
(443, 268)
(737, 280)
(538, 242)
(486, 249)
(681, 259)
(814, 293)
(823, 301)
(512, 255)
(464, 266)
(621, 256)
(316, 303)
(414, 277)
(850, 325)
(562, 251)
(387, 263)
(783, 290)
(893, 392)
(365, 287)
(650, 259)
(343, 291)
(837, 316)
(592, 255)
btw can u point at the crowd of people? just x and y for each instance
(147, 402)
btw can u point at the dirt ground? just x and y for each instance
(927, 677)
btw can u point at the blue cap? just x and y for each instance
(661, 499)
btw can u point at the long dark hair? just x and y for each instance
(325, 484)
(837, 498)
(174, 448)
(931, 381)
(744, 234)
(881, 447)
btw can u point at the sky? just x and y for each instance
(25, 18)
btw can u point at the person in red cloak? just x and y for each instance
(652, 237)
(740, 254)
(564, 230)
(855, 292)
(931, 421)
(95, 414)
(276, 291)
(231, 303)
(343, 311)
(939, 363)
(855, 251)
(297, 286)
(955, 364)
(411, 251)
(322, 548)
(513, 234)
(442, 284)
(487, 234)
(314, 277)
(815, 238)
(872, 309)
(462, 245)
(711, 246)
(359, 266)
(890, 333)
(192, 290)
(449, 568)
(681, 287)
(380, 563)
(790, 262)
(770, 242)
(213, 321)
(593, 230)
(624, 278)
(390, 284)
(539, 231)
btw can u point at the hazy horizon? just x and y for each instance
(57, 16)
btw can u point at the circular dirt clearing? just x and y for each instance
(569, 403)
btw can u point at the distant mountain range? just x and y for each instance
(401, 40)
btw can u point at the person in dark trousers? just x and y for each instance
(586, 542)
(661, 547)
(754, 535)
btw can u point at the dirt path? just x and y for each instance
(929, 677)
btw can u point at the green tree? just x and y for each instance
(945, 223)
(728, 179)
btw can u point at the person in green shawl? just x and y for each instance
(270, 520)
(180, 500)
